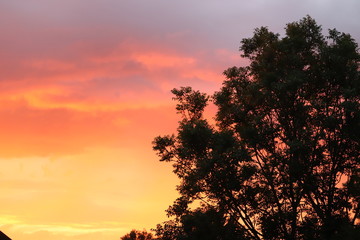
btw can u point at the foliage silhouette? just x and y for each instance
(282, 161)
(203, 223)
(137, 235)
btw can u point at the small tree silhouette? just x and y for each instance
(137, 235)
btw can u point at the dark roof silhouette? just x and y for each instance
(3, 236)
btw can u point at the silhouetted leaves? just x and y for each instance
(137, 235)
(282, 161)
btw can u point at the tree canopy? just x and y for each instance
(282, 160)
(137, 235)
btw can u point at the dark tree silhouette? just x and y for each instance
(137, 235)
(282, 161)
(206, 222)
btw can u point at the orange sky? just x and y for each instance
(84, 89)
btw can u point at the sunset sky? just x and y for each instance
(85, 87)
